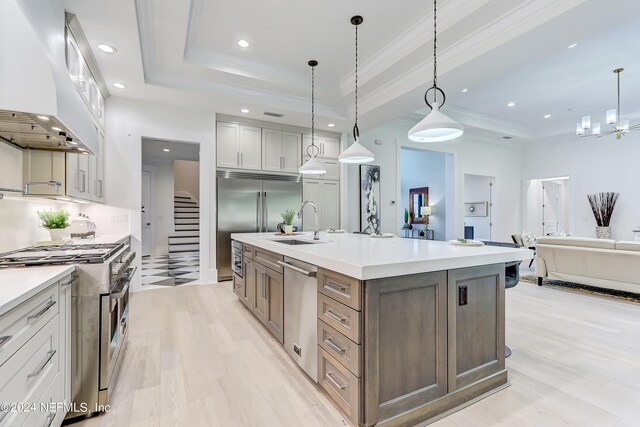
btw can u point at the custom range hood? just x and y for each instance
(40, 107)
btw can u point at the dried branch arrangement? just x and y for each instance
(602, 205)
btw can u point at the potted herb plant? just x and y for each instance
(602, 205)
(55, 222)
(287, 217)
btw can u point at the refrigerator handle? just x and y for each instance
(265, 213)
(258, 213)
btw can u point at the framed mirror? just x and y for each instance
(418, 197)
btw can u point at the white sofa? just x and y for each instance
(595, 262)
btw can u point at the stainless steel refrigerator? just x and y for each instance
(251, 203)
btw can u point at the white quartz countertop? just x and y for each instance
(364, 257)
(19, 284)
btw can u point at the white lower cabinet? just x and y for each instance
(35, 359)
(326, 195)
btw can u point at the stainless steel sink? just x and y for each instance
(295, 242)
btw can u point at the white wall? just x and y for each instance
(187, 177)
(127, 123)
(477, 189)
(424, 168)
(469, 155)
(593, 165)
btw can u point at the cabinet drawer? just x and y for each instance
(340, 317)
(20, 324)
(340, 347)
(340, 384)
(247, 251)
(344, 289)
(268, 259)
(48, 410)
(26, 375)
(238, 285)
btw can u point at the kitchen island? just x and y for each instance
(407, 330)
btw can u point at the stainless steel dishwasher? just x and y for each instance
(300, 314)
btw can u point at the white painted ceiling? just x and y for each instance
(185, 53)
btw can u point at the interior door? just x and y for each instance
(146, 213)
(280, 196)
(550, 207)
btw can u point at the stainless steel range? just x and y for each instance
(100, 309)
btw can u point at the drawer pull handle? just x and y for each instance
(335, 316)
(43, 364)
(41, 312)
(335, 286)
(329, 377)
(49, 420)
(334, 346)
(4, 339)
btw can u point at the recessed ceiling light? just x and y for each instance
(465, 90)
(547, 116)
(45, 118)
(331, 125)
(244, 110)
(80, 149)
(572, 45)
(72, 142)
(56, 129)
(107, 48)
(166, 150)
(243, 43)
(511, 104)
(119, 85)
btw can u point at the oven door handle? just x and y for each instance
(119, 290)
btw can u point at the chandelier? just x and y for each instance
(618, 127)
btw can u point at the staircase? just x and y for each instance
(186, 238)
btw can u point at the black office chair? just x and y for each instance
(511, 276)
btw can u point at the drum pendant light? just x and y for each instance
(313, 165)
(356, 153)
(436, 126)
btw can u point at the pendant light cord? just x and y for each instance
(313, 103)
(435, 49)
(356, 130)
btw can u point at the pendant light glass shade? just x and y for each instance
(313, 166)
(436, 127)
(356, 153)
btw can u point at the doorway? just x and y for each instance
(546, 210)
(170, 213)
(478, 207)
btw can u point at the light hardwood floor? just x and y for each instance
(197, 357)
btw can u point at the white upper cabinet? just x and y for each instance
(227, 142)
(327, 147)
(250, 147)
(280, 151)
(291, 155)
(239, 146)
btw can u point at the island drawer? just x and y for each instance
(340, 347)
(247, 251)
(340, 317)
(21, 323)
(340, 384)
(344, 289)
(268, 259)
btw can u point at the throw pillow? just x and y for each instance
(528, 239)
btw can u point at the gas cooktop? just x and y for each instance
(59, 254)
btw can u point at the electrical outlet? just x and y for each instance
(119, 219)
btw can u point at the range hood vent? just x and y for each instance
(40, 107)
